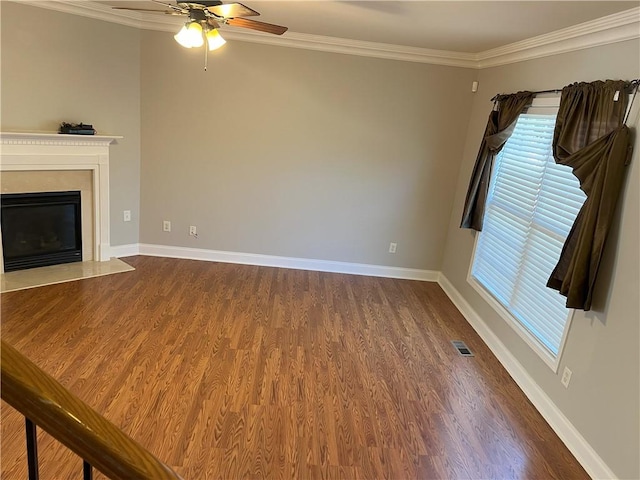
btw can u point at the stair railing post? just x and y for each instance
(32, 449)
(87, 471)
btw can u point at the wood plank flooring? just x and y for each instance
(231, 371)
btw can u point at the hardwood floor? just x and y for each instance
(232, 371)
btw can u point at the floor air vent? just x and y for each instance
(462, 348)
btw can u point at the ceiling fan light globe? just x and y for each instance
(214, 39)
(183, 38)
(194, 32)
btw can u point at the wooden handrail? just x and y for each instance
(64, 416)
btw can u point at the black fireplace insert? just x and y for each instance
(40, 229)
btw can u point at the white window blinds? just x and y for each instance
(531, 207)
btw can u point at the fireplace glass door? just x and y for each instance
(40, 229)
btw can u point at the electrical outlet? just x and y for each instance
(566, 377)
(127, 215)
(193, 231)
(393, 247)
(166, 225)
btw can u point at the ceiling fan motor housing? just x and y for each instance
(197, 15)
(206, 3)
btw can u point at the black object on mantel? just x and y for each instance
(76, 129)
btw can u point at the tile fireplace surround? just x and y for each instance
(64, 156)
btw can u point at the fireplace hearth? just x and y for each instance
(40, 229)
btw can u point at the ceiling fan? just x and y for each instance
(206, 16)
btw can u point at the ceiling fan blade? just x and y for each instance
(152, 10)
(213, 23)
(255, 25)
(171, 6)
(230, 10)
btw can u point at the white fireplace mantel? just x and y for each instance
(20, 151)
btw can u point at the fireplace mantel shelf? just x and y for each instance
(53, 138)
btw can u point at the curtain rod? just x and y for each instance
(633, 84)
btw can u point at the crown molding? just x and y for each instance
(290, 39)
(89, 10)
(618, 27)
(614, 28)
(359, 47)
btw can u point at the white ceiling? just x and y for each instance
(455, 26)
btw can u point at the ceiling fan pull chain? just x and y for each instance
(206, 58)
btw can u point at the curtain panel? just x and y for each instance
(591, 138)
(500, 125)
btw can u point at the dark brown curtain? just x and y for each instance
(590, 136)
(500, 125)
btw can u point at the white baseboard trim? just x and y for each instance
(575, 442)
(125, 250)
(275, 261)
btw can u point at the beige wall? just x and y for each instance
(603, 399)
(298, 153)
(58, 67)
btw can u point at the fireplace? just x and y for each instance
(41, 229)
(49, 162)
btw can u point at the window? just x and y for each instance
(531, 207)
